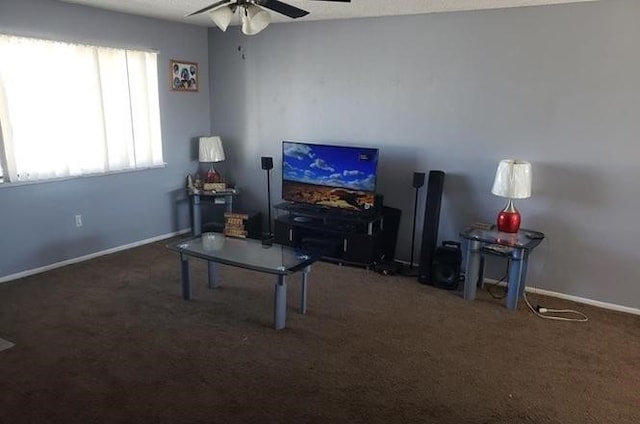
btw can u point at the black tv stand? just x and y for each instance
(346, 237)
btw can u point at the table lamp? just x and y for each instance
(513, 181)
(210, 150)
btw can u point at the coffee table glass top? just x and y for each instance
(246, 253)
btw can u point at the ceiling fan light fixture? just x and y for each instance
(222, 16)
(254, 19)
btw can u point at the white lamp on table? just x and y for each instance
(210, 150)
(513, 181)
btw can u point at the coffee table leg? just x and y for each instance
(186, 280)
(280, 304)
(213, 274)
(303, 290)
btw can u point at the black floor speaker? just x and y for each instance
(435, 188)
(445, 266)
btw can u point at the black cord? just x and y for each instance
(493, 285)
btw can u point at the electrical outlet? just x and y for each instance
(78, 221)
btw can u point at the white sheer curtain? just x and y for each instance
(70, 109)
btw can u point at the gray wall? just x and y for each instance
(37, 226)
(556, 85)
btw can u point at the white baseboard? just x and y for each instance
(586, 301)
(90, 256)
(577, 299)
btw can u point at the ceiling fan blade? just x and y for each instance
(282, 8)
(210, 7)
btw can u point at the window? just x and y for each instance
(72, 109)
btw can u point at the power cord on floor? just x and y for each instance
(500, 282)
(542, 312)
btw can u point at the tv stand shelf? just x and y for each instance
(349, 237)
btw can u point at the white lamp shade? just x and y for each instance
(210, 149)
(222, 16)
(254, 19)
(513, 179)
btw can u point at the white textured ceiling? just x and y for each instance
(175, 10)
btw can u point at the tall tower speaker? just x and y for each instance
(430, 227)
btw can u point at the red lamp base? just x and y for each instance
(509, 219)
(212, 176)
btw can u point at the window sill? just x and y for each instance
(7, 184)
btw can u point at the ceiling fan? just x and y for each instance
(253, 15)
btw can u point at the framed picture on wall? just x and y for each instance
(184, 75)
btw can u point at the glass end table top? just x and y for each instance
(527, 239)
(245, 253)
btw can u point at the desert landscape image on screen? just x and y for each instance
(329, 176)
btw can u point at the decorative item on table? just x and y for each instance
(234, 224)
(214, 186)
(485, 226)
(184, 75)
(193, 183)
(513, 181)
(210, 150)
(212, 241)
(197, 183)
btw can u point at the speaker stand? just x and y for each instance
(267, 240)
(411, 271)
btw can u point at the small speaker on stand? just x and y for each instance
(267, 165)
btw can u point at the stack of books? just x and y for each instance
(234, 224)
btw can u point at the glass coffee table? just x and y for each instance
(249, 254)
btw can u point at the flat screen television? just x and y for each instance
(322, 175)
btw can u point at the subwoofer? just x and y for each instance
(435, 187)
(445, 267)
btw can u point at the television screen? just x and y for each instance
(329, 176)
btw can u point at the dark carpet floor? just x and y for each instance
(111, 341)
